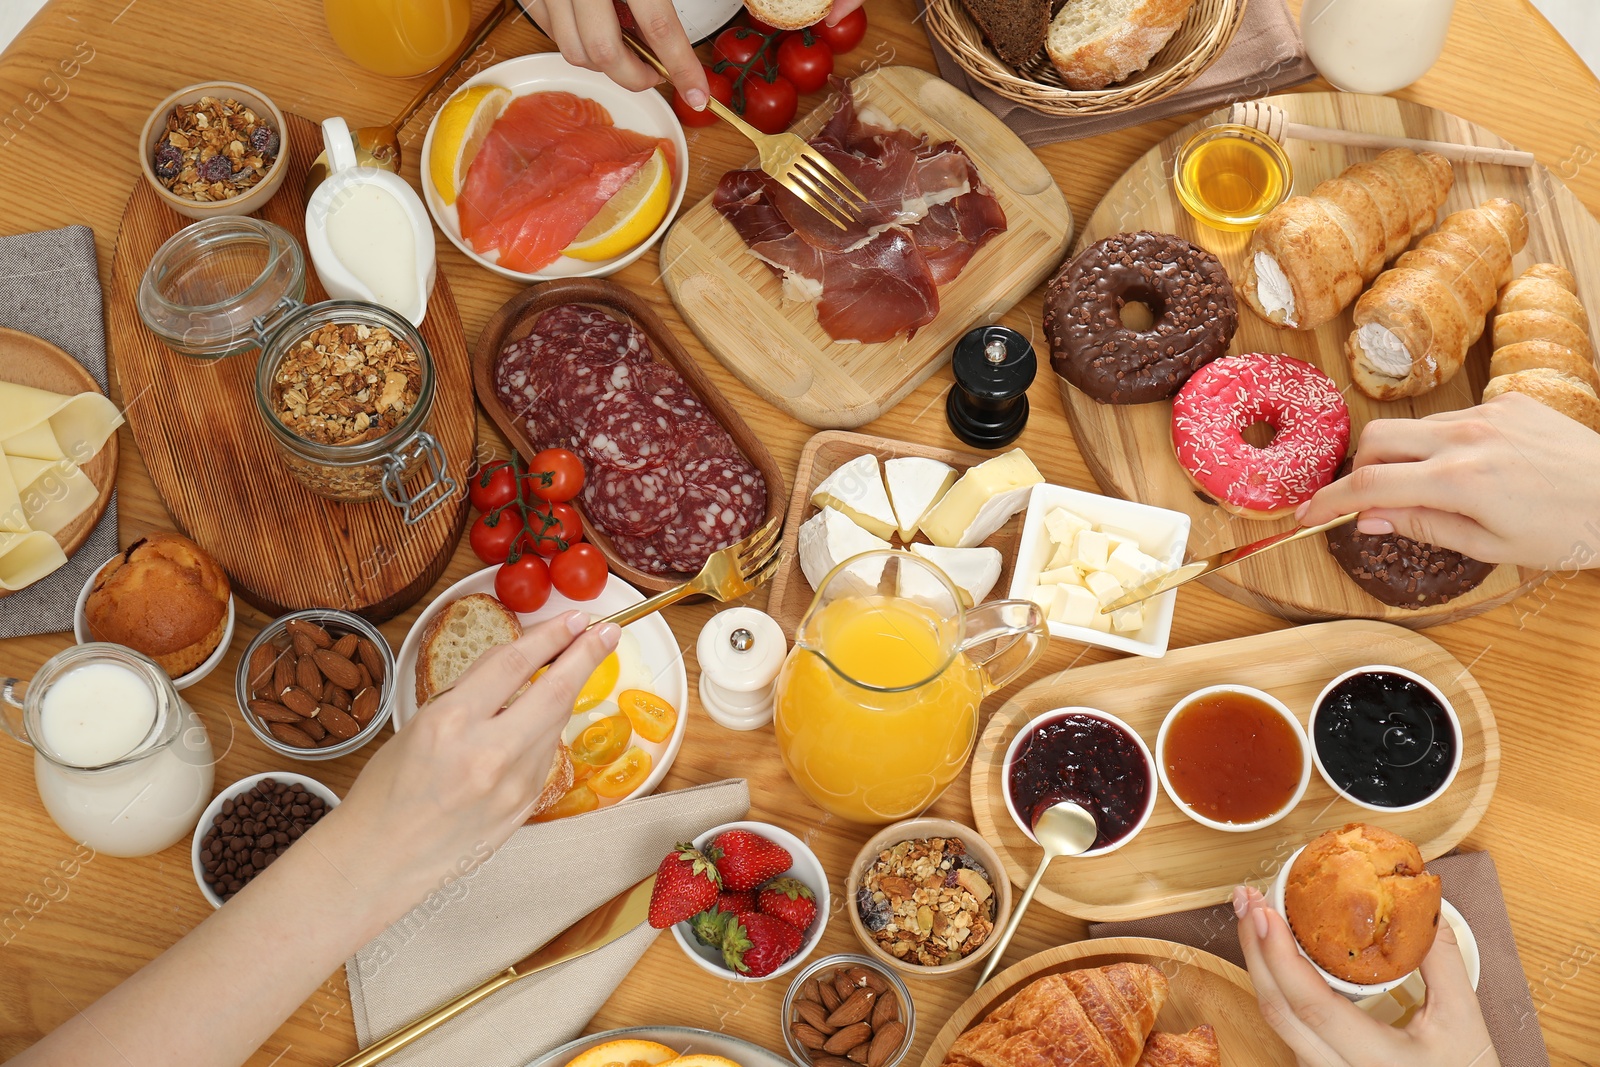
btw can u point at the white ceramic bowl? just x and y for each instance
(310, 785)
(1283, 712)
(1351, 990)
(1150, 768)
(646, 112)
(805, 867)
(80, 631)
(1449, 711)
(1162, 534)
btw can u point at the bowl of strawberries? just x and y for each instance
(747, 901)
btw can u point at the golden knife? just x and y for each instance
(605, 924)
(1211, 564)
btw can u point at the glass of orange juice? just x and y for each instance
(400, 38)
(876, 707)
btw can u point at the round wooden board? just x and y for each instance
(33, 361)
(1129, 448)
(1203, 989)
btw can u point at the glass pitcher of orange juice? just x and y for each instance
(400, 38)
(876, 707)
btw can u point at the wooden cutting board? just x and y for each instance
(1129, 449)
(1174, 863)
(218, 471)
(734, 303)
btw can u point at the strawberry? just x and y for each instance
(709, 927)
(686, 884)
(755, 945)
(748, 859)
(736, 901)
(790, 900)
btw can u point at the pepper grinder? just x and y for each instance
(993, 367)
(741, 651)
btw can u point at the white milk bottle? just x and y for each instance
(1374, 46)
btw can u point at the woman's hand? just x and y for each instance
(1510, 481)
(1326, 1030)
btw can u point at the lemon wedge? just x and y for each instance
(630, 216)
(458, 133)
(629, 1052)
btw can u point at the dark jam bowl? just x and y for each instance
(1385, 739)
(1088, 756)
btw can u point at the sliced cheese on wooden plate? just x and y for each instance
(973, 570)
(856, 490)
(982, 500)
(829, 538)
(916, 484)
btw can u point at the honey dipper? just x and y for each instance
(1274, 122)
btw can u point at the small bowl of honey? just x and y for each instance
(1233, 758)
(1229, 176)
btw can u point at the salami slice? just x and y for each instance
(703, 440)
(631, 503)
(641, 552)
(723, 500)
(629, 430)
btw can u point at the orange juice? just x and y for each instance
(884, 742)
(400, 38)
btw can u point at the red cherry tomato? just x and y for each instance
(769, 106)
(493, 486)
(552, 525)
(739, 45)
(805, 63)
(579, 573)
(492, 544)
(554, 474)
(847, 34)
(524, 585)
(721, 89)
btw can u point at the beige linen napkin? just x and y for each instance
(544, 879)
(1265, 56)
(1470, 883)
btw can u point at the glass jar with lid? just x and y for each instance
(344, 388)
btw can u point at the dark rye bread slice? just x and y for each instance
(1016, 28)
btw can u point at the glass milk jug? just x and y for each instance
(121, 762)
(1374, 46)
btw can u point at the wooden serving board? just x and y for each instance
(1175, 863)
(1129, 448)
(825, 453)
(1202, 989)
(734, 303)
(218, 470)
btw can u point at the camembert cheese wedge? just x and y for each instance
(856, 490)
(973, 571)
(982, 500)
(829, 538)
(916, 484)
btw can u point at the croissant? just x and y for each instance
(1197, 1048)
(1312, 254)
(1098, 1017)
(1541, 345)
(1414, 326)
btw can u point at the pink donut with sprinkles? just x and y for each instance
(1308, 417)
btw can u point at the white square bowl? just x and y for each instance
(1162, 534)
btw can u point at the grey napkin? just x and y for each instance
(50, 287)
(1264, 57)
(544, 879)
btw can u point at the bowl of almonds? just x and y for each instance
(316, 683)
(848, 1011)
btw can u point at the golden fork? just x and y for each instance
(787, 159)
(730, 573)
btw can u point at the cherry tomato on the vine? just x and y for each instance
(721, 89)
(492, 544)
(555, 474)
(806, 60)
(769, 106)
(552, 525)
(740, 45)
(579, 573)
(847, 34)
(493, 486)
(523, 585)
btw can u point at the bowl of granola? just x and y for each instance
(216, 148)
(927, 897)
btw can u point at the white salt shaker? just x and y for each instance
(740, 652)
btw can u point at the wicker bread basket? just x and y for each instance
(1204, 35)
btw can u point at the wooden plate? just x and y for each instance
(33, 361)
(825, 453)
(1129, 448)
(516, 317)
(1175, 863)
(734, 303)
(1203, 989)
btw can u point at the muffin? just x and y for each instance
(163, 596)
(1361, 904)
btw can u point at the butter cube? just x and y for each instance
(1044, 596)
(1092, 551)
(1101, 622)
(1104, 585)
(1131, 566)
(1128, 619)
(1063, 525)
(1118, 536)
(1063, 556)
(1075, 606)
(1068, 575)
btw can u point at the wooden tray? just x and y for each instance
(1175, 863)
(734, 303)
(33, 361)
(825, 453)
(1204, 989)
(515, 319)
(218, 471)
(1129, 449)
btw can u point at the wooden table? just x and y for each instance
(74, 89)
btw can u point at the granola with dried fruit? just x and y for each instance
(214, 150)
(343, 384)
(927, 901)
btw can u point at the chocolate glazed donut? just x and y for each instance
(1403, 573)
(1190, 299)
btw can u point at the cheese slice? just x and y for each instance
(13, 518)
(79, 424)
(829, 538)
(37, 443)
(973, 570)
(916, 484)
(982, 500)
(856, 491)
(52, 493)
(27, 557)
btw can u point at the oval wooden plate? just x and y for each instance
(33, 361)
(1175, 863)
(1129, 448)
(1204, 989)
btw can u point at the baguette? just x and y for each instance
(457, 636)
(789, 14)
(1096, 43)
